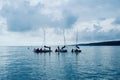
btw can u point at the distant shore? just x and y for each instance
(106, 43)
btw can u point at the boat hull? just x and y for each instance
(42, 51)
(76, 51)
(62, 51)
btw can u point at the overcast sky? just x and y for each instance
(22, 21)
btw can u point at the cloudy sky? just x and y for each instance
(22, 22)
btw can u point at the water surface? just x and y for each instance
(94, 63)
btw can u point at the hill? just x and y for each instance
(106, 43)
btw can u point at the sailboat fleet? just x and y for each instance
(63, 49)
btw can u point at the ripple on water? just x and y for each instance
(94, 63)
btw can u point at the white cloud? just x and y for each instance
(23, 21)
(3, 25)
(97, 30)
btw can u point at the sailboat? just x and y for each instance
(63, 48)
(77, 48)
(45, 48)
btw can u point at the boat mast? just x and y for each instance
(44, 36)
(64, 37)
(76, 37)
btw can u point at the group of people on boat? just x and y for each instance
(77, 49)
(44, 50)
(62, 49)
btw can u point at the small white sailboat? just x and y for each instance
(77, 48)
(63, 50)
(45, 48)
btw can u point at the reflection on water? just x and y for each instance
(95, 62)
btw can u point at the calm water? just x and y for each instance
(94, 63)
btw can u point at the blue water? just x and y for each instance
(94, 63)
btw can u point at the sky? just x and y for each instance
(22, 22)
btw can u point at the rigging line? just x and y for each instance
(44, 37)
(64, 37)
(77, 37)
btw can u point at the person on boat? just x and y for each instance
(48, 47)
(36, 50)
(77, 47)
(40, 49)
(72, 50)
(58, 49)
(45, 46)
(63, 47)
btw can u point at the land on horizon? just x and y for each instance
(104, 43)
